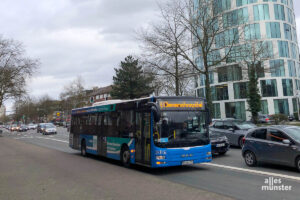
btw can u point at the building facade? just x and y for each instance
(2, 111)
(101, 94)
(270, 21)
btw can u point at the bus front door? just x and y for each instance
(143, 141)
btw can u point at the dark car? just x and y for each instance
(219, 143)
(274, 144)
(291, 118)
(23, 128)
(233, 129)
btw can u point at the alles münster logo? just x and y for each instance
(275, 184)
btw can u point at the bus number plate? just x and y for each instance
(188, 162)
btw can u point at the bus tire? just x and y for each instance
(83, 148)
(125, 156)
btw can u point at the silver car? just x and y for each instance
(233, 129)
(274, 144)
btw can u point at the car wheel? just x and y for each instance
(250, 159)
(241, 144)
(125, 156)
(222, 153)
(298, 163)
(83, 148)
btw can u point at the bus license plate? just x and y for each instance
(188, 162)
(221, 145)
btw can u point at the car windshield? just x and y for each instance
(293, 132)
(49, 126)
(244, 125)
(181, 128)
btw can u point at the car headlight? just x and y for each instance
(160, 157)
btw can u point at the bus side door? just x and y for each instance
(143, 141)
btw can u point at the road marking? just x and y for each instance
(53, 139)
(253, 171)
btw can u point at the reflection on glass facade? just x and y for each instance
(236, 110)
(240, 90)
(287, 86)
(216, 111)
(264, 107)
(281, 106)
(269, 88)
(219, 92)
(229, 73)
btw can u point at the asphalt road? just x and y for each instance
(226, 175)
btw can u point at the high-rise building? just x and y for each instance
(271, 21)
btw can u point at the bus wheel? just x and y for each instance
(125, 156)
(83, 148)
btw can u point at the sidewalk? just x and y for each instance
(32, 172)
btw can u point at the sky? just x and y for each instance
(72, 38)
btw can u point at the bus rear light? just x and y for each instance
(132, 151)
(208, 153)
(160, 163)
(243, 140)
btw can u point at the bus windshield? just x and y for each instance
(181, 129)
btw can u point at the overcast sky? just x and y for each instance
(78, 37)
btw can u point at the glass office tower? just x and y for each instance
(272, 21)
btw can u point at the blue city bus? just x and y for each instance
(154, 131)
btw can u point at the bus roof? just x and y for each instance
(118, 101)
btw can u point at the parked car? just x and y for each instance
(291, 118)
(263, 118)
(274, 144)
(23, 128)
(49, 128)
(31, 126)
(233, 129)
(219, 144)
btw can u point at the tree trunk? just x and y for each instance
(208, 93)
(176, 76)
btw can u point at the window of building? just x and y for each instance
(291, 4)
(201, 92)
(294, 50)
(221, 5)
(267, 48)
(270, 0)
(277, 68)
(240, 90)
(290, 16)
(260, 70)
(287, 31)
(244, 2)
(203, 78)
(295, 105)
(252, 32)
(216, 111)
(281, 106)
(287, 86)
(261, 12)
(236, 17)
(294, 32)
(269, 88)
(298, 84)
(227, 38)
(292, 68)
(279, 12)
(273, 30)
(229, 73)
(283, 48)
(264, 107)
(284, 2)
(236, 110)
(219, 92)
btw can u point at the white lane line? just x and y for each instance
(253, 171)
(53, 139)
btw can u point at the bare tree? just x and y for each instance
(212, 37)
(161, 42)
(73, 95)
(15, 69)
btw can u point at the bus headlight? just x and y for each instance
(208, 153)
(160, 157)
